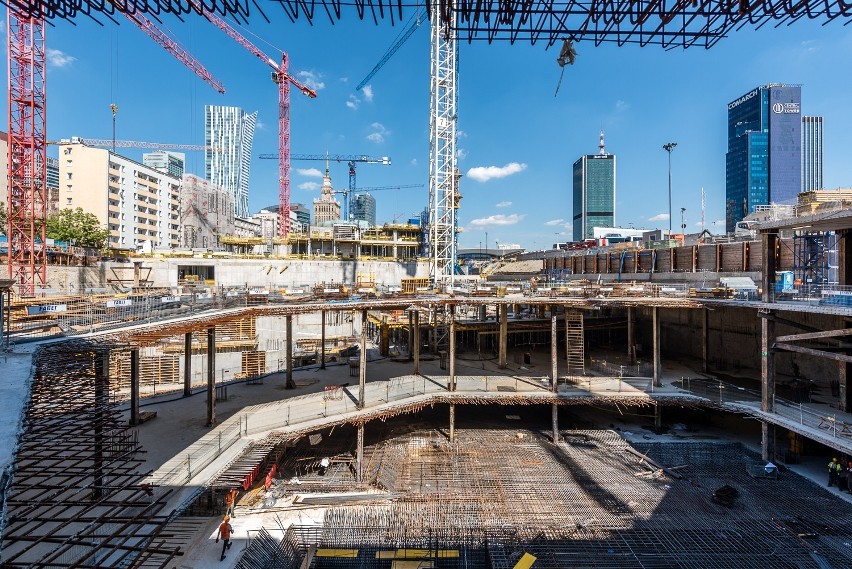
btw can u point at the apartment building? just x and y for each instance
(138, 204)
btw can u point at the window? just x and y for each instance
(69, 187)
(69, 201)
(69, 163)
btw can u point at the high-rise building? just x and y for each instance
(303, 215)
(326, 208)
(764, 160)
(594, 192)
(228, 134)
(812, 154)
(139, 205)
(364, 209)
(171, 163)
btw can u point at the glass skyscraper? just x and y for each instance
(228, 134)
(764, 160)
(812, 154)
(594, 193)
(364, 209)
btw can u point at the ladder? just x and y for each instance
(574, 344)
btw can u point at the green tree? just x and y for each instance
(76, 227)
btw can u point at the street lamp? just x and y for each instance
(682, 220)
(668, 147)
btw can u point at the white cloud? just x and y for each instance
(414, 161)
(308, 186)
(621, 106)
(309, 172)
(344, 79)
(368, 93)
(498, 219)
(503, 204)
(379, 133)
(57, 58)
(485, 173)
(258, 125)
(659, 217)
(555, 222)
(353, 102)
(461, 134)
(312, 79)
(461, 153)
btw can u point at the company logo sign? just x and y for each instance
(742, 99)
(785, 108)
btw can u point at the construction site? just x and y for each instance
(340, 396)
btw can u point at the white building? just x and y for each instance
(228, 134)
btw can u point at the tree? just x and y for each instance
(76, 227)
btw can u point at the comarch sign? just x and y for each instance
(742, 99)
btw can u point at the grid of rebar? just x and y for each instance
(591, 501)
(77, 497)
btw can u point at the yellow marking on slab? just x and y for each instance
(417, 553)
(349, 553)
(525, 562)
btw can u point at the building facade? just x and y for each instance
(206, 213)
(228, 134)
(326, 208)
(364, 209)
(139, 205)
(303, 215)
(763, 164)
(594, 192)
(171, 163)
(812, 154)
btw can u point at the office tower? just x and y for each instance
(594, 192)
(364, 209)
(764, 160)
(228, 134)
(171, 163)
(303, 215)
(812, 154)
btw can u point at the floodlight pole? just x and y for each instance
(668, 147)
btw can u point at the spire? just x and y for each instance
(602, 146)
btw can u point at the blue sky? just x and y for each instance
(517, 141)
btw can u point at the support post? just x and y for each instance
(187, 364)
(631, 339)
(322, 341)
(359, 454)
(410, 335)
(705, 338)
(554, 371)
(134, 387)
(211, 376)
(288, 353)
(767, 386)
(452, 354)
(503, 310)
(362, 365)
(452, 422)
(416, 342)
(101, 365)
(656, 333)
(658, 417)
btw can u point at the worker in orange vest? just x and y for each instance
(230, 501)
(225, 531)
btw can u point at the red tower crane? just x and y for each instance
(282, 78)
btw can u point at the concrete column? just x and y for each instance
(384, 339)
(843, 385)
(288, 354)
(362, 365)
(416, 342)
(767, 385)
(410, 335)
(705, 338)
(658, 417)
(768, 267)
(656, 333)
(503, 311)
(483, 313)
(134, 387)
(452, 422)
(567, 343)
(187, 364)
(433, 332)
(452, 354)
(631, 339)
(211, 376)
(554, 372)
(322, 341)
(359, 454)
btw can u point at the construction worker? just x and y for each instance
(225, 531)
(834, 469)
(230, 501)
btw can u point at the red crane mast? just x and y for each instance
(282, 78)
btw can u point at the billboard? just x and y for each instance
(785, 143)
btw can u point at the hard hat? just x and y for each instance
(834, 459)
(226, 518)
